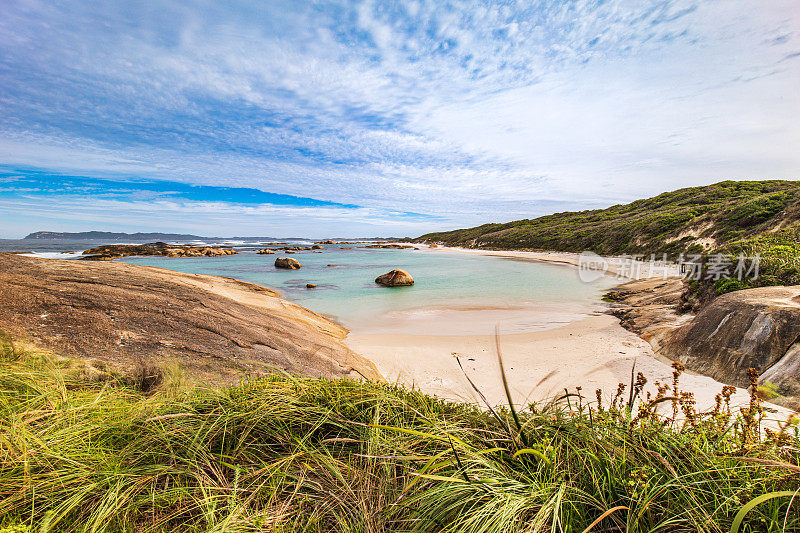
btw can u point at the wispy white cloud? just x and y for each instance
(82, 213)
(467, 110)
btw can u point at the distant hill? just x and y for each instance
(709, 218)
(149, 237)
(107, 235)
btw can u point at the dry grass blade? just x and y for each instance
(603, 516)
(769, 462)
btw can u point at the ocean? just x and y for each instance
(454, 293)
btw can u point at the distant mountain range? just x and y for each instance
(108, 235)
(155, 236)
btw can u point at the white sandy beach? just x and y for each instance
(591, 350)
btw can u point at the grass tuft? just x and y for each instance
(288, 454)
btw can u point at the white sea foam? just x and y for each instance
(54, 255)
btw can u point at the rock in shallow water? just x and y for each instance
(395, 278)
(287, 262)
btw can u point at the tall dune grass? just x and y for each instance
(287, 454)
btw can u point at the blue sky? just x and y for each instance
(382, 118)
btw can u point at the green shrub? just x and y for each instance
(725, 285)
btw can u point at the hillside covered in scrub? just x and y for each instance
(725, 215)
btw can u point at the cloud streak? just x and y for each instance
(462, 111)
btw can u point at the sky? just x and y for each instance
(362, 118)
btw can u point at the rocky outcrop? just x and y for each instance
(126, 316)
(115, 251)
(287, 262)
(755, 328)
(649, 308)
(395, 278)
(389, 246)
(266, 251)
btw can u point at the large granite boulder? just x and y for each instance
(755, 328)
(125, 318)
(287, 262)
(395, 278)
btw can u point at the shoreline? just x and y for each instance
(616, 266)
(593, 351)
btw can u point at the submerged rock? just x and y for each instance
(395, 278)
(287, 262)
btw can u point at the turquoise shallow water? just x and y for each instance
(452, 291)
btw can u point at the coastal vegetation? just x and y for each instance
(285, 454)
(730, 218)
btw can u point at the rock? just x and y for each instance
(218, 330)
(330, 265)
(326, 242)
(389, 246)
(289, 251)
(433, 246)
(753, 328)
(266, 251)
(317, 247)
(649, 307)
(287, 262)
(114, 251)
(395, 278)
(310, 286)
